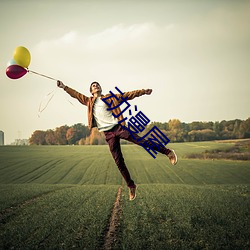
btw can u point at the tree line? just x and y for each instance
(174, 129)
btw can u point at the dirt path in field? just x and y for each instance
(112, 231)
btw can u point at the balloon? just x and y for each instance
(15, 71)
(22, 56)
(11, 62)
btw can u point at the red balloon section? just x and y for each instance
(15, 71)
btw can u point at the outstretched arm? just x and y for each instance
(60, 84)
(80, 97)
(136, 93)
(148, 91)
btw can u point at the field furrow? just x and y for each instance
(186, 217)
(64, 197)
(9, 212)
(66, 218)
(112, 234)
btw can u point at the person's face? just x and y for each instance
(95, 87)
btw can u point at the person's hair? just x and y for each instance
(90, 88)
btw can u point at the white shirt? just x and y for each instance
(104, 118)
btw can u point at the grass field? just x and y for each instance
(62, 197)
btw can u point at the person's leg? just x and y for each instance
(115, 149)
(124, 134)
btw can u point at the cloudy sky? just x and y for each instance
(195, 55)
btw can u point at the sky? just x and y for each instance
(195, 55)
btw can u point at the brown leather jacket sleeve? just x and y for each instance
(131, 94)
(80, 97)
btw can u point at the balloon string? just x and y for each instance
(71, 103)
(50, 96)
(31, 71)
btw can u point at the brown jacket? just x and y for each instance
(89, 102)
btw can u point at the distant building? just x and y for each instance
(1, 138)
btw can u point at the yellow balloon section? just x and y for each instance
(22, 56)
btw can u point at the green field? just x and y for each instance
(62, 197)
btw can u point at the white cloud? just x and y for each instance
(116, 39)
(196, 61)
(69, 38)
(113, 49)
(119, 35)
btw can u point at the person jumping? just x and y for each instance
(104, 120)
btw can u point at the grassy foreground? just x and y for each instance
(61, 197)
(64, 217)
(187, 217)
